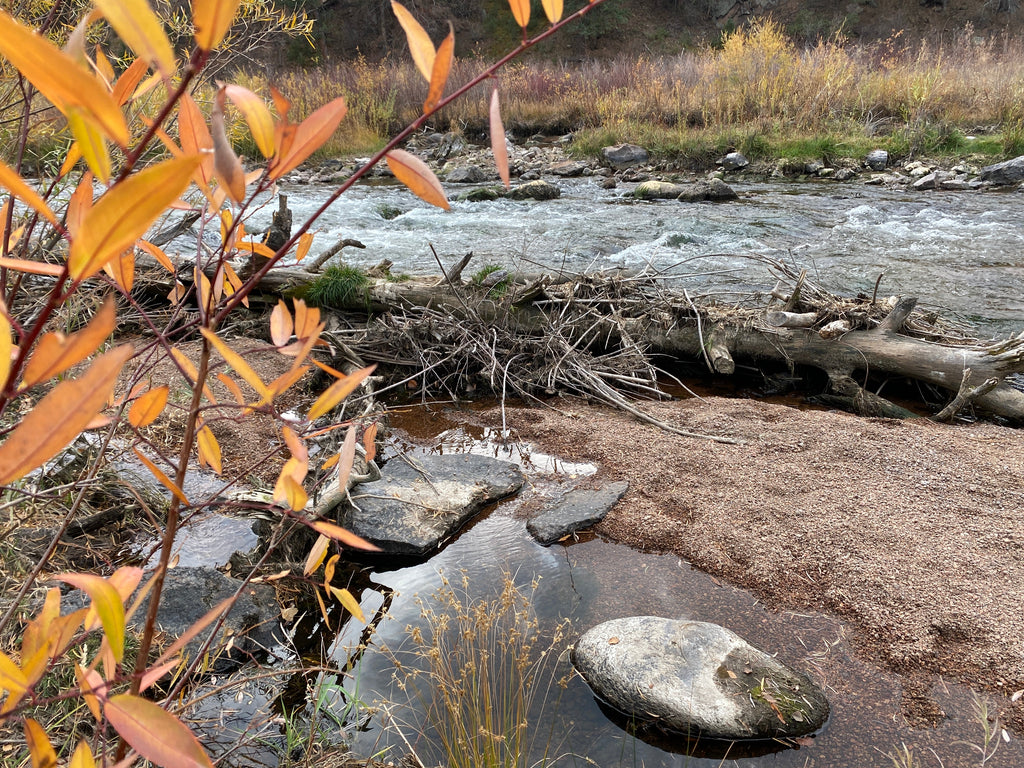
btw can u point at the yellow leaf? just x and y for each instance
(90, 142)
(553, 9)
(107, 603)
(6, 348)
(124, 580)
(257, 116)
(292, 494)
(226, 165)
(129, 81)
(59, 417)
(349, 602)
(125, 212)
(439, 74)
(305, 241)
(209, 450)
(285, 381)
(71, 159)
(79, 204)
(415, 174)
(155, 733)
(307, 320)
(103, 66)
(137, 25)
(17, 187)
(337, 392)
(316, 555)
(148, 407)
(498, 147)
(82, 758)
(37, 632)
(309, 136)
(521, 12)
(237, 362)
(332, 460)
(39, 747)
(162, 478)
(329, 570)
(12, 679)
(59, 77)
(336, 532)
(280, 324)
(55, 353)
(190, 372)
(212, 19)
(323, 609)
(420, 46)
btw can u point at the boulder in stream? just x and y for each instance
(535, 190)
(697, 678)
(576, 510)
(712, 189)
(658, 190)
(417, 504)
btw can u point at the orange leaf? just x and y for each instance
(336, 532)
(6, 348)
(291, 493)
(55, 353)
(60, 416)
(285, 381)
(329, 570)
(415, 174)
(79, 204)
(195, 138)
(310, 135)
(370, 441)
(305, 241)
(129, 81)
(137, 25)
(442, 67)
(521, 11)
(121, 269)
(125, 212)
(59, 77)
(190, 371)
(307, 320)
(12, 680)
(163, 479)
(154, 733)
(553, 9)
(233, 388)
(32, 267)
(226, 165)
(154, 673)
(148, 407)
(89, 682)
(280, 324)
(498, 146)
(316, 555)
(82, 758)
(17, 187)
(71, 160)
(234, 283)
(420, 46)
(337, 392)
(39, 747)
(237, 362)
(108, 605)
(209, 450)
(332, 460)
(296, 447)
(323, 609)
(158, 254)
(256, 114)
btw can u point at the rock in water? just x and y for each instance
(536, 190)
(697, 678)
(578, 509)
(658, 190)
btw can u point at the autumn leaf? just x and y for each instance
(55, 352)
(281, 324)
(441, 69)
(349, 602)
(209, 450)
(337, 392)
(82, 758)
(12, 679)
(126, 84)
(212, 20)
(521, 12)
(237, 362)
(162, 478)
(305, 242)
(90, 142)
(59, 417)
(498, 147)
(107, 603)
(257, 116)
(154, 733)
(137, 25)
(14, 184)
(307, 138)
(336, 532)
(195, 138)
(148, 407)
(6, 348)
(39, 747)
(417, 176)
(316, 555)
(125, 212)
(420, 45)
(553, 9)
(291, 493)
(226, 165)
(370, 441)
(345, 458)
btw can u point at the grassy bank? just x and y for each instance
(759, 92)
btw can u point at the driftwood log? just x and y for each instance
(850, 340)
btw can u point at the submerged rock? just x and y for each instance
(697, 678)
(415, 506)
(576, 510)
(535, 190)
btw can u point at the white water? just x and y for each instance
(960, 252)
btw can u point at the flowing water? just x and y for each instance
(961, 252)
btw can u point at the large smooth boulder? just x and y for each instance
(535, 190)
(412, 510)
(658, 190)
(624, 155)
(575, 511)
(713, 189)
(1007, 172)
(697, 678)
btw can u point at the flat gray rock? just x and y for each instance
(1007, 172)
(697, 678)
(576, 510)
(413, 510)
(624, 155)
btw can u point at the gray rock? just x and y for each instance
(482, 194)
(414, 510)
(1007, 172)
(189, 593)
(734, 161)
(712, 189)
(692, 676)
(813, 168)
(826, 173)
(466, 174)
(609, 183)
(625, 155)
(658, 190)
(535, 190)
(845, 174)
(931, 180)
(568, 168)
(576, 510)
(877, 159)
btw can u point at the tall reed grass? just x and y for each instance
(760, 82)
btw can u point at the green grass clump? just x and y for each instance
(339, 286)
